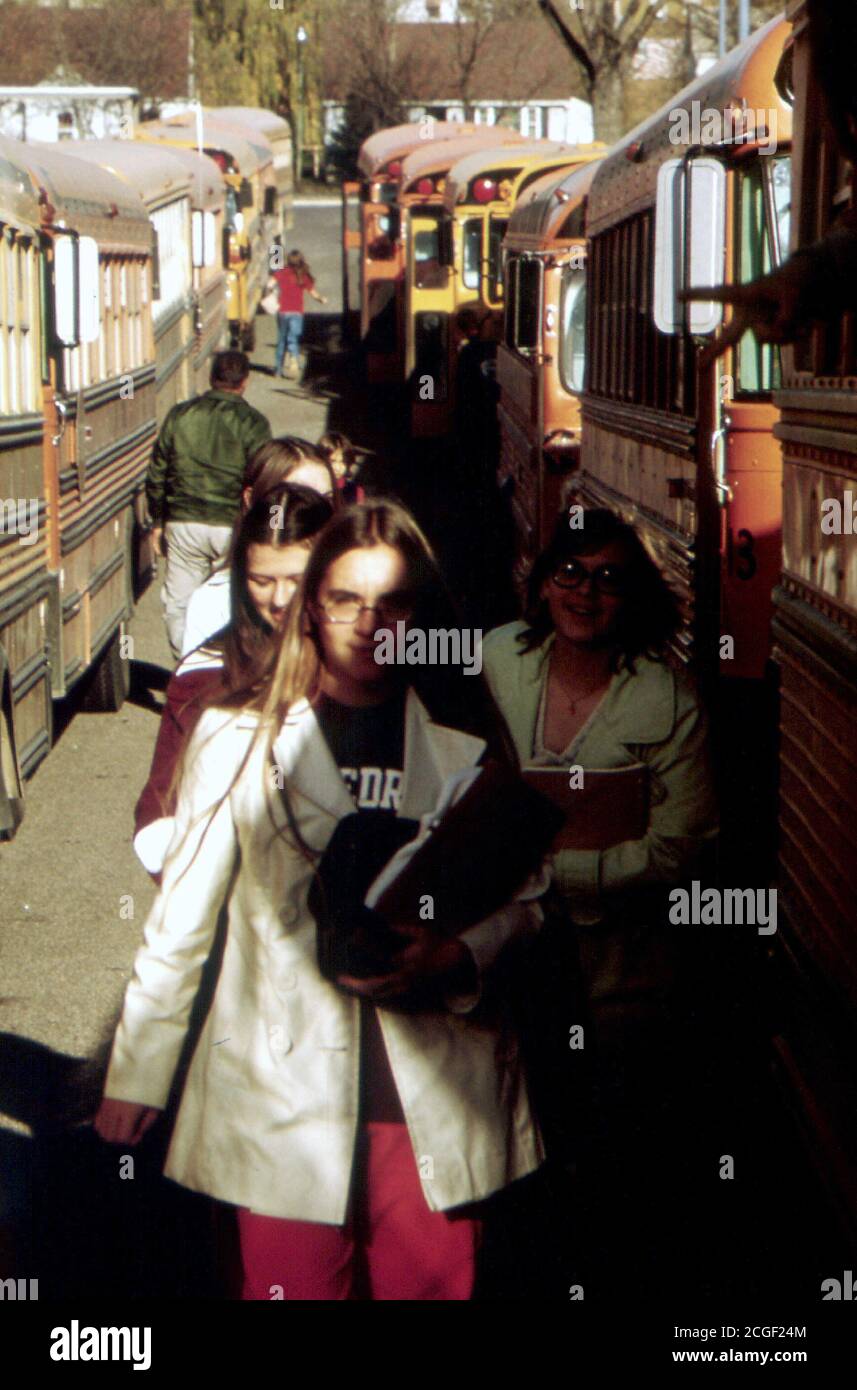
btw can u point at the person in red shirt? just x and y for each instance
(293, 282)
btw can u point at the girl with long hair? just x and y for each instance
(352, 1126)
(293, 282)
(270, 549)
(285, 459)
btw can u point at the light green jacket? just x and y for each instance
(650, 717)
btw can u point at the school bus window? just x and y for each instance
(496, 233)
(428, 272)
(511, 304)
(757, 364)
(472, 252)
(572, 352)
(529, 301)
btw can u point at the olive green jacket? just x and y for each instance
(199, 459)
(651, 717)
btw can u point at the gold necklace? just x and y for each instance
(572, 704)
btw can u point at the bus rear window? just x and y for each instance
(472, 252)
(572, 350)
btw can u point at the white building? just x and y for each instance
(73, 111)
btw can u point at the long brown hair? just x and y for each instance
(297, 261)
(450, 697)
(275, 461)
(289, 515)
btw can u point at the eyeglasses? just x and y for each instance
(607, 579)
(347, 608)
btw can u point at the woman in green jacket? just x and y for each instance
(584, 683)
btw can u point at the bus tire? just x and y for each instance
(11, 791)
(109, 684)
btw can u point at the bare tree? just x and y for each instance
(604, 36)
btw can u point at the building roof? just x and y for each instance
(142, 46)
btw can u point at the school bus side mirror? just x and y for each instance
(690, 242)
(245, 194)
(270, 201)
(77, 301)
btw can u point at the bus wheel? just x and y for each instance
(11, 794)
(109, 684)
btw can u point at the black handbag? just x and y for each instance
(352, 939)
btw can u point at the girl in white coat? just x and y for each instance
(351, 1135)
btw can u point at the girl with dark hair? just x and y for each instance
(287, 459)
(584, 681)
(352, 1124)
(270, 549)
(343, 459)
(588, 689)
(293, 282)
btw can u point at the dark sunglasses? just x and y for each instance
(607, 579)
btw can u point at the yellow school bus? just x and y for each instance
(541, 358)
(381, 253)
(259, 121)
(250, 214)
(207, 222)
(480, 193)
(427, 288)
(163, 183)
(77, 424)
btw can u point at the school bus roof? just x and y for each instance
(92, 202)
(208, 186)
(438, 157)
(257, 118)
(512, 162)
(216, 135)
(626, 181)
(540, 216)
(397, 142)
(156, 175)
(19, 206)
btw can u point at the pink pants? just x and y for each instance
(391, 1247)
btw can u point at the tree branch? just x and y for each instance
(578, 52)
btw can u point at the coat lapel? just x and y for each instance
(433, 753)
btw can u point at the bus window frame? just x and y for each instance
(573, 278)
(467, 227)
(767, 357)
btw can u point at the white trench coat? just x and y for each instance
(268, 1115)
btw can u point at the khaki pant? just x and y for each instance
(193, 549)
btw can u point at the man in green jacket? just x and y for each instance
(193, 486)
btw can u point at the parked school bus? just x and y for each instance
(278, 133)
(541, 359)
(207, 220)
(687, 453)
(77, 423)
(427, 287)
(815, 648)
(381, 254)
(248, 170)
(163, 183)
(480, 194)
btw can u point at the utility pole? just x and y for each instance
(743, 20)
